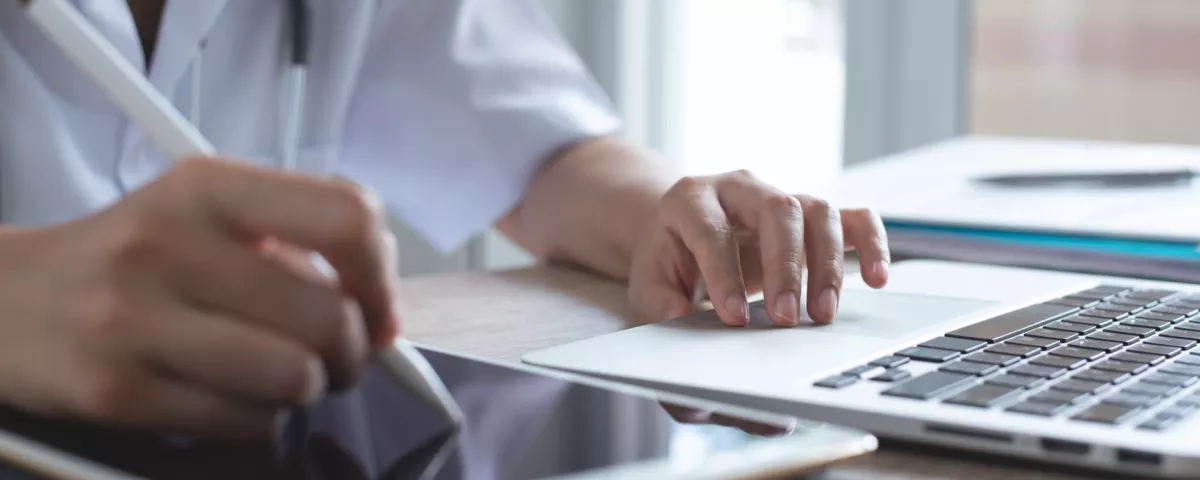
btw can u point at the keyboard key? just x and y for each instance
(1170, 379)
(1163, 319)
(1192, 326)
(1152, 389)
(1138, 358)
(1171, 342)
(1191, 402)
(1016, 381)
(1122, 367)
(1175, 310)
(1106, 413)
(1128, 330)
(1086, 320)
(970, 368)
(1108, 290)
(1192, 359)
(1182, 303)
(924, 354)
(1185, 334)
(1056, 361)
(1104, 314)
(960, 345)
(837, 381)
(1140, 321)
(1059, 397)
(1081, 386)
(892, 375)
(1154, 350)
(1038, 371)
(1100, 345)
(1131, 400)
(1176, 411)
(1072, 301)
(929, 385)
(1157, 424)
(1103, 376)
(1121, 304)
(1185, 370)
(983, 396)
(992, 359)
(1076, 352)
(1059, 335)
(890, 361)
(1073, 327)
(1013, 350)
(1035, 408)
(1153, 294)
(1013, 323)
(1029, 341)
(1107, 336)
(864, 371)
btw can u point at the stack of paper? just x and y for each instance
(935, 207)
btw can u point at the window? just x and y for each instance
(760, 86)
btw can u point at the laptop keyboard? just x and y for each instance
(1107, 355)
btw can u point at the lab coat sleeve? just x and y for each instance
(457, 106)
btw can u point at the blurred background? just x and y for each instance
(796, 89)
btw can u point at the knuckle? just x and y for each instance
(355, 214)
(299, 376)
(108, 397)
(743, 173)
(817, 205)
(107, 313)
(783, 206)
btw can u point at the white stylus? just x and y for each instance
(129, 90)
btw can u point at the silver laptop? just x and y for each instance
(1095, 372)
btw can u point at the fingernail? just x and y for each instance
(736, 306)
(827, 304)
(881, 269)
(787, 307)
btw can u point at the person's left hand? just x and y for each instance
(739, 235)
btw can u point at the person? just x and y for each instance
(143, 292)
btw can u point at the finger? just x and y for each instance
(339, 221)
(140, 398)
(864, 231)
(779, 221)
(234, 358)
(825, 256)
(692, 212)
(659, 282)
(245, 285)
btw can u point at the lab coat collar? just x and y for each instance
(185, 26)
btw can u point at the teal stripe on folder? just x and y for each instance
(1158, 249)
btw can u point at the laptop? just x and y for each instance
(1088, 371)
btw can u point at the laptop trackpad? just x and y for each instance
(868, 313)
(699, 350)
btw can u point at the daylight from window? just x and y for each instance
(762, 87)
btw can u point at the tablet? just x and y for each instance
(521, 422)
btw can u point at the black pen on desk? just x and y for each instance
(1147, 178)
(129, 90)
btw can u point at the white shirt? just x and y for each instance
(446, 107)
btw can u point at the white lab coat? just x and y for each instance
(446, 107)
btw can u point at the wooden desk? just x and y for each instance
(506, 314)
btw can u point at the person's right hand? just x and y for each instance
(166, 312)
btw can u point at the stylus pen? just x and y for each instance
(1146, 178)
(132, 93)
